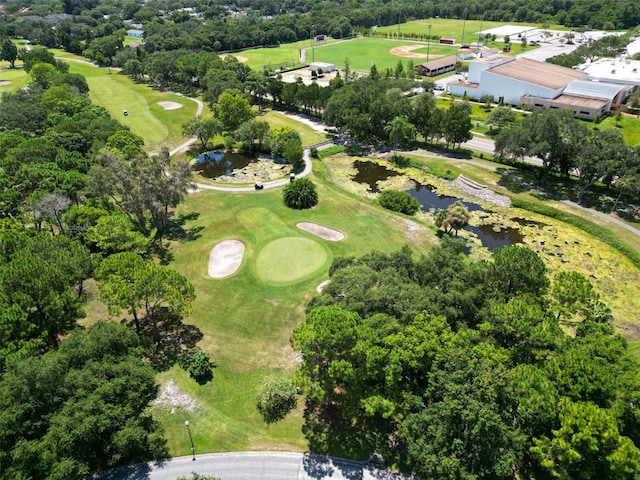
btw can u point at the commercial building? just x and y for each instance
(522, 81)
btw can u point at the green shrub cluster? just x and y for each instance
(398, 201)
(300, 194)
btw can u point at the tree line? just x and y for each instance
(82, 203)
(461, 369)
(250, 23)
(567, 146)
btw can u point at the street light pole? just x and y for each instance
(428, 42)
(193, 448)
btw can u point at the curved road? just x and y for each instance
(254, 466)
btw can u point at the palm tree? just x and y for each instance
(455, 217)
(399, 130)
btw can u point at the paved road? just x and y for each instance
(254, 466)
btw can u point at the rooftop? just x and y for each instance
(611, 69)
(538, 73)
(440, 62)
(576, 101)
(586, 88)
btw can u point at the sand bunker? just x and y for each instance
(5, 82)
(170, 105)
(323, 232)
(321, 286)
(225, 258)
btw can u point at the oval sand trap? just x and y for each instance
(225, 258)
(170, 105)
(323, 232)
(290, 259)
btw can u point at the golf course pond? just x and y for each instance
(491, 236)
(562, 247)
(239, 167)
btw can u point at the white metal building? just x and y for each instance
(522, 81)
(325, 67)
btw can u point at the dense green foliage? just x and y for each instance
(41, 279)
(565, 145)
(200, 366)
(76, 190)
(461, 370)
(454, 218)
(276, 399)
(300, 194)
(80, 409)
(398, 201)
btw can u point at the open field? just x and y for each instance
(286, 55)
(452, 28)
(247, 319)
(364, 52)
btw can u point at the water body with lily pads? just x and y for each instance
(492, 237)
(223, 164)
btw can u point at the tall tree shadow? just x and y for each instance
(169, 340)
(328, 433)
(177, 230)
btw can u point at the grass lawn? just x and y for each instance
(628, 124)
(284, 56)
(448, 28)
(367, 51)
(17, 77)
(247, 319)
(116, 92)
(308, 135)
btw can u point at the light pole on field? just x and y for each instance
(193, 448)
(428, 42)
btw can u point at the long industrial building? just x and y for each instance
(522, 81)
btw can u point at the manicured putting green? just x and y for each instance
(290, 260)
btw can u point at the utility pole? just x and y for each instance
(313, 43)
(428, 42)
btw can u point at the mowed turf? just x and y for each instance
(289, 260)
(364, 52)
(116, 92)
(12, 79)
(452, 28)
(246, 321)
(308, 135)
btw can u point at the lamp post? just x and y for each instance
(193, 448)
(428, 42)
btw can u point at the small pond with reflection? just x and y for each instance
(223, 164)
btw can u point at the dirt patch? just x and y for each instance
(225, 258)
(170, 105)
(5, 82)
(322, 232)
(240, 58)
(406, 51)
(172, 398)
